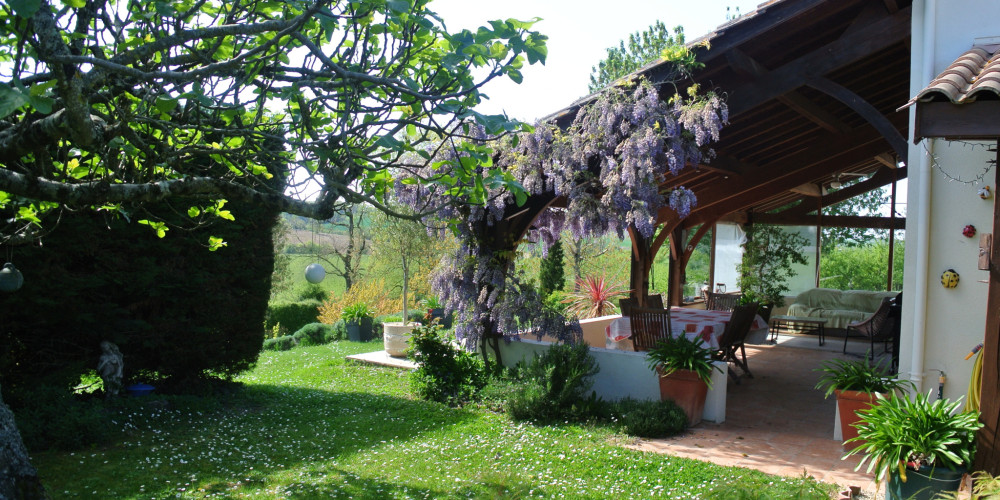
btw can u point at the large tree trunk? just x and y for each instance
(18, 478)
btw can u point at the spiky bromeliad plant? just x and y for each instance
(903, 432)
(595, 297)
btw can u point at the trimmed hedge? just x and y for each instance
(315, 334)
(283, 343)
(176, 310)
(292, 316)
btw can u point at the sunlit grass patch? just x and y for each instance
(308, 424)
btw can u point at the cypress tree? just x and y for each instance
(551, 276)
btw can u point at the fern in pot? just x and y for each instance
(856, 384)
(921, 445)
(685, 368)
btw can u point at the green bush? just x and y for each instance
(337, 331)
(314, 334)
(446, 373)
(313, 291)
(553, 386)
(53, 418)
(649, 419)
(283, 343)
(292, 315)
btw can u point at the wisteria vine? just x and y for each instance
(609, 165)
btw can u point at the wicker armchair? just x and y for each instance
(722, 301)
(649, 326)
(877, 327)
(734, 338)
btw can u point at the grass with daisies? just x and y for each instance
(306, 423)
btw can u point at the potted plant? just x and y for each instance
(768, 256)
(685, 368)
(922, 446)
(856, 383)
(358, 318)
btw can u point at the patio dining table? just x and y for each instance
(708, 325)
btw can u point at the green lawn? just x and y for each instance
(307, 424)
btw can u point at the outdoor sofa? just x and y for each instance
(839, 307)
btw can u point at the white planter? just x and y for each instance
(397, 337)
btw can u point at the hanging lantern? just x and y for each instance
(969, 231)
(315, 273)
(984, 192)
(949, 279)
(10, 278)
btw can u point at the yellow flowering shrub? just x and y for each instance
(371, 292)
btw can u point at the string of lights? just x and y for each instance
(980, 177)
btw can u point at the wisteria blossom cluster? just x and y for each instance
(608, 165)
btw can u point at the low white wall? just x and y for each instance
(594, 329)
(626, 374)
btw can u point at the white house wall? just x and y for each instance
(949, 321)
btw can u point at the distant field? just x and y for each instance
(297, 270)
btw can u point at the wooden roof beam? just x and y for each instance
(819, 151)
(736, 197)
(746, 65)
(866, 110)
(847, 49)
(882, 177)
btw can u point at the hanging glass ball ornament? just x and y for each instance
(10, 278)
(315, 273)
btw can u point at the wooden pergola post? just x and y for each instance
(988, 438)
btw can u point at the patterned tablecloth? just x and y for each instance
(708, 325)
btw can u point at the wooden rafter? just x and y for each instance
(746, 65)
(818, 63)
(882, 177)
(866, 110)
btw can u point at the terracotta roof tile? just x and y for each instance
(975, 74)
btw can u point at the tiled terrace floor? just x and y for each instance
(776, 422)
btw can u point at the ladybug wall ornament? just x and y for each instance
(949, 279)
(969, 231)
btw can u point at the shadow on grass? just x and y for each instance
(265, 437)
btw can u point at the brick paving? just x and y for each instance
(776, 422)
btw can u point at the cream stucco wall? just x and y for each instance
(949, 321)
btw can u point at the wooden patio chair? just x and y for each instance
(875, 328)
(649, 326)
(626, 305)
(654, 301)
(734, 338)
(722, 301)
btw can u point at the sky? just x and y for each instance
(580, 32)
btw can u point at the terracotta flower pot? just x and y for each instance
(849, 403)
(686, 389)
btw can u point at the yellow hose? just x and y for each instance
(975, 384)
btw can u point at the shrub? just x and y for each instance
(554, 386)
(649, 419)
(314, 334)
(280, 343)
(292, 315)
(337, 331)
(51, 417)
(371, 292)
(446, 373)
(313, 291)
(551, 274)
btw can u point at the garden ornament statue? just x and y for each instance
(110, 368)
